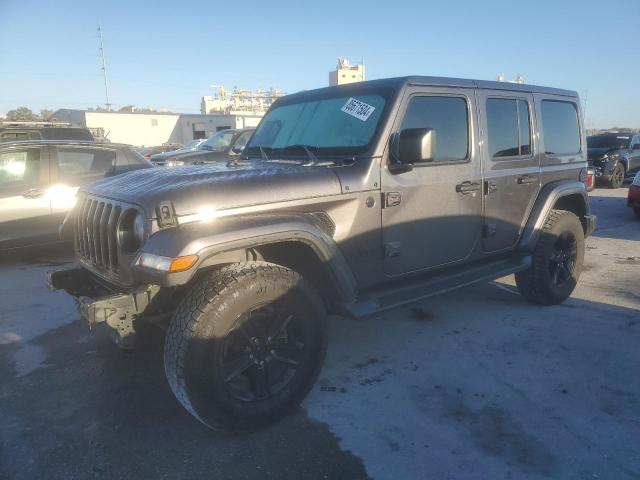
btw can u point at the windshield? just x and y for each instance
(608, 141)
(336, 125)
(218, 142)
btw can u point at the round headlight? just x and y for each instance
(138, 228)
(131, 231)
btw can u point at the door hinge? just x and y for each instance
(489, 230)
(490, 187)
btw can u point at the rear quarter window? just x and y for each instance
(560, 127)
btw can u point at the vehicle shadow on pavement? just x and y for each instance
(96, 411)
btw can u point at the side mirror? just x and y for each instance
(237, 149)
(414, 145)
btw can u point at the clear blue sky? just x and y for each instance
(165, 54)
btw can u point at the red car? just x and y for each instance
(633, 198)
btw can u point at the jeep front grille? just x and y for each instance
(96, 232)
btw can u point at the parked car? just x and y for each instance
(39, 180)
(221, 146)
(158, 158)
(614, 156)
(356, 199)
(633, 197)
(19, 131)
(147, 152)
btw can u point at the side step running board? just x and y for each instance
(413, 290)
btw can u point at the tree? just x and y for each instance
(22, 114)
(45, 113)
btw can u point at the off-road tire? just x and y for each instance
(535, 283)
(617, 176)
(206, 316)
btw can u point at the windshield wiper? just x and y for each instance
(263, 154)
(307, 149)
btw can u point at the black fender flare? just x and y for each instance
(215, 243)
(547, 199)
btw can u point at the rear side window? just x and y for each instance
(19, 166)
(77, 162)
(13, 136)
(560, 128)
(448, 116)
(508, 127)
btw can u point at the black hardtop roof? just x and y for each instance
(613, 134)
(398, 82)
(64, 142)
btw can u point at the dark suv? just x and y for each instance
(20, 131)
(355, 199)
(614, 156)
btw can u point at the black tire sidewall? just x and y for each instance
(204, 386)
(614, 182)
(567, 222)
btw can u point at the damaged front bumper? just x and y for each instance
(97, 304)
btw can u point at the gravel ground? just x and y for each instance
(472, 384)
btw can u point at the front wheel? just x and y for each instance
(556, 261)
(246, 345)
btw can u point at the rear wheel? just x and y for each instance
(246, 345)
(617, 176)
(556, 261)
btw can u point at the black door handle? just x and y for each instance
(526, 180)
(465, 188)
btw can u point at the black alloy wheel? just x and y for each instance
(563, 258)
(262, 354)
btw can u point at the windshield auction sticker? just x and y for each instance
(356, 108)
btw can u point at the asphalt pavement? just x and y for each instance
(476, 383)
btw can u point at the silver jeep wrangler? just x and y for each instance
(353, 199)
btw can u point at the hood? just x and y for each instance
(218, 186)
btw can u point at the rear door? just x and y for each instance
(25, 209)
(432, 214)
(511, 166)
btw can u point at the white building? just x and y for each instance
(145, 129)
(346, 73)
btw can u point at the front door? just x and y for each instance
(511, 166)
(431, 214)
(25, 210)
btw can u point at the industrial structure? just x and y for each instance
(239, 102)
(346, 73)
